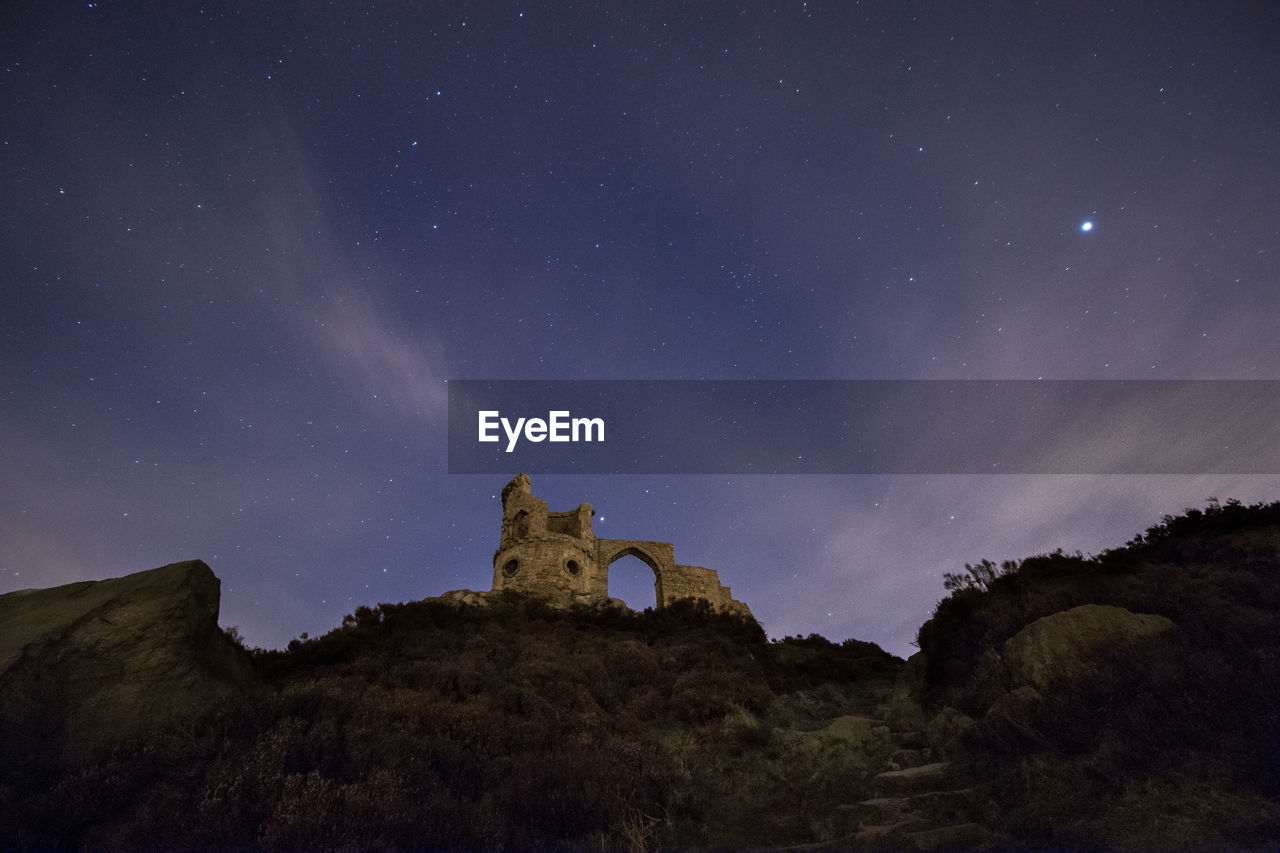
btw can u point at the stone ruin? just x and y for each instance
(556, 556)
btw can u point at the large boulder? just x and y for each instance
(85, 665)
(1065, 646)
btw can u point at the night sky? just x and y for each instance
(244, 246)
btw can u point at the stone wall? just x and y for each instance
(556, 556)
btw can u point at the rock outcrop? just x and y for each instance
(923, 801)
(87, 664)
(487, 598)
(1065, 645)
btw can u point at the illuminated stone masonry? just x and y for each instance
(556, 556)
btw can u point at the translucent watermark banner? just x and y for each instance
(864, 427)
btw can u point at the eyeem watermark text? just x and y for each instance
(558, 426)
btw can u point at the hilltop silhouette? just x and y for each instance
(1123, 700)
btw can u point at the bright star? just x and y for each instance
(1087, 225)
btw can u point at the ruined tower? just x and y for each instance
(557, 557)
(549, 554)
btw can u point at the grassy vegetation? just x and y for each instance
(509, 727)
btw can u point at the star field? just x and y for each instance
(245, 246)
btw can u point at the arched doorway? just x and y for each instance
(634, 578)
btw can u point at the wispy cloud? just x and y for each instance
(394, 368)
(381, 362)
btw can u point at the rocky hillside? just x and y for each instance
(505, 725)
(1127, 700)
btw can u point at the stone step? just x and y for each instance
(904, 758)
(960, 835)
(891, 834)
(913, 780)
(945, 807)
(881, 810)
(911, 740)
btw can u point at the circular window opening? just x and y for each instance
(572, 567)
(510, 569)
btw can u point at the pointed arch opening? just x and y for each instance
(633, 576)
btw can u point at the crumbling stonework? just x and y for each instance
(556, 556)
